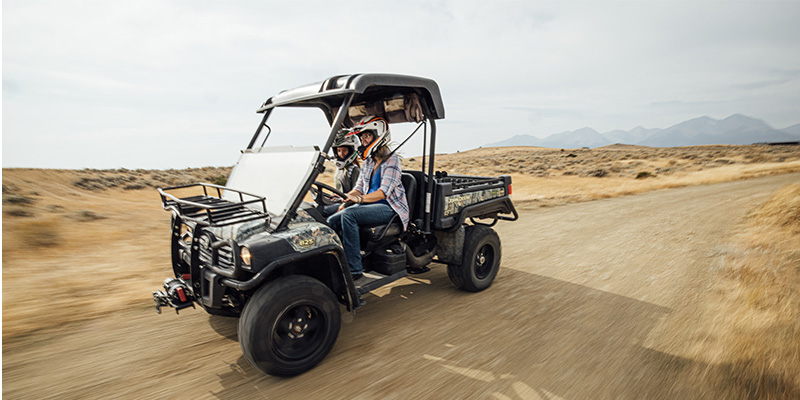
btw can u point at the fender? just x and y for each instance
(352, 299)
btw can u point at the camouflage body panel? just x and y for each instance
(239, 232)
(302, 216)
(305, 235)
(455, 203)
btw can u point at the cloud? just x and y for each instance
(110, 69)
(761, 84)
(11, 87)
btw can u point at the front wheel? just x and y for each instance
(289, 325)
(480, 262)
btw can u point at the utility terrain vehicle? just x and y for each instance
(259, 248)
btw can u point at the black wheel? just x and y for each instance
(480, 262)
(289, 325)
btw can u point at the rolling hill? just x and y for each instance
(736, 129)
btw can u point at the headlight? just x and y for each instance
(245, 255)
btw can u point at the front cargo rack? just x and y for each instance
(210, 210)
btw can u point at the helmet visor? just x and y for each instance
(347, 151)
(367, 134)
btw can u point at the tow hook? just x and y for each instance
(176, 294)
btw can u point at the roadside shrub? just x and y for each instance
(55, 208)
(597, 173)
(18, 212)
(87, 216)
(644, 174)
(220, 180)
(41, 233)
(764, 304)
(781, 210)
(137, 186)
(90, 183)
(18, 199)
(10, 188)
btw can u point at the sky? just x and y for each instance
(175, 84)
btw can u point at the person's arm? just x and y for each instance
(361, 186)
(353, 196)
(377, 195)
(355, 174)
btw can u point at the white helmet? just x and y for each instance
(380, 133)
(350, 140)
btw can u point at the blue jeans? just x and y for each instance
(346, 222)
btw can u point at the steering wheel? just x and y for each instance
(322, 199)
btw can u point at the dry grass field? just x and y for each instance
(77, 216)
(755, 317)
(73, 240)
(546, 177)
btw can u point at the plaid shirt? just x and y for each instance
(391, 185)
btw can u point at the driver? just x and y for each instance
(345, 149)
(378, 195)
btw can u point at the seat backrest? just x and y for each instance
(410, 186)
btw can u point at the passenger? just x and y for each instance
(378, 195)
(345, 149)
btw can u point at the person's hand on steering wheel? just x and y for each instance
(350, 200)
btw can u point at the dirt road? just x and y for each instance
(594, 300)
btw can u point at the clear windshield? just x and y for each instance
(283, 155)
(276, 173)
(281, 159)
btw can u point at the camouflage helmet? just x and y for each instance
(350, 140)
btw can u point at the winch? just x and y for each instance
(176, 294)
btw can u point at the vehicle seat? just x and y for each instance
(374, 233)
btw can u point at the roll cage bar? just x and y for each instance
(340, 95)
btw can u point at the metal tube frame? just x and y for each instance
(319, 165)
(429, 189)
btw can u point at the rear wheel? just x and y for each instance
(289, 325)
(480, 262)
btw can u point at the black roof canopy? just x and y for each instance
(330, 93)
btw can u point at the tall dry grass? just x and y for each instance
(531, 191)
(760, 336)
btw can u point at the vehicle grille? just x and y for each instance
(225, 257)
(205, 252)
(221, 256)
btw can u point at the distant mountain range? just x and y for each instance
(736, 129)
